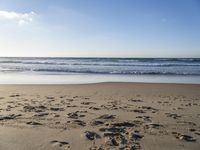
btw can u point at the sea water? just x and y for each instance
(20, 70)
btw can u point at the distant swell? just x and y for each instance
(164, 64)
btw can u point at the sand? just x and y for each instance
(100, 116)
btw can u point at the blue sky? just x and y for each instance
(100, 28)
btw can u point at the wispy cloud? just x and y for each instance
(19, 18)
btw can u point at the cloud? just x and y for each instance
(19, 18)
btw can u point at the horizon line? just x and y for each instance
(97, 57)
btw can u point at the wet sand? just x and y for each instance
(100, 116)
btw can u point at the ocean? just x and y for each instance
(21, 70)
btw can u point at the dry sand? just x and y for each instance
(100, 116)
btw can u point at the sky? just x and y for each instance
(100, 28)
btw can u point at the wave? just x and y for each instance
(117, 72)
(129, 66)
(134, 65)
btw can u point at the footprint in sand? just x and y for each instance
(60, 144)
(14, 95)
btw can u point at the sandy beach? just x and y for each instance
(132, 116)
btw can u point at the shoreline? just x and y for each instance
(96, 83)
(27, 78)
